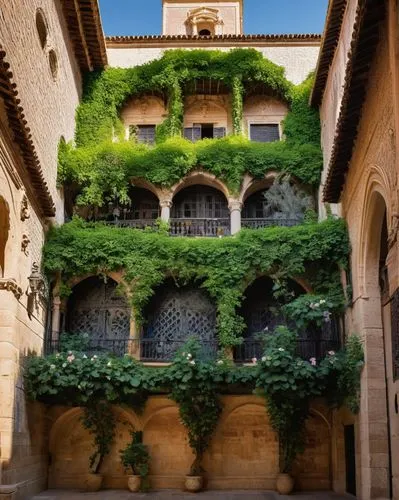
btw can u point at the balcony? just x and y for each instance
(259, 222)
(199, 227)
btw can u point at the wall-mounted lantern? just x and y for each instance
(37, 285)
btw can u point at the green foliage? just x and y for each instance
(287, 382)
(195, 389)
(310, 309)
(102, 169)
(74, 342)
(136, 456)
(223, 266)
(99, 420)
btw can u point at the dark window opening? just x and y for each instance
(144, 134)
(264, 132)
(204, 131)
(204, 33)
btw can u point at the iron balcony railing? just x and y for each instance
(199, 227)
(258, 223)
(147, 350)
(134, 223)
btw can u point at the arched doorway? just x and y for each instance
(173, 315)
(200, 211)
(97, 309)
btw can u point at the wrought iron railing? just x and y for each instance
(257, 223)
(134, 223)
(199, 227)
(149, 350)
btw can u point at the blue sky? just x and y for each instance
(143, 17)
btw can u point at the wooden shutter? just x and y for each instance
(264, 132)
(219, 132)
(193, 134)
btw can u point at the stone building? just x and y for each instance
(43, 55)
(44, 447)
(357, 91)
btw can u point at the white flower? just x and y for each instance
(64, 365)
(254, 361)
(311, 305)
(316, 305)
(220, 361)
(84, 356)
(266, 329)
(281, 349)
(57, 355)
(52, 367)
(70, 358)
(109, 378)
(312, 361)
(331, 353)
(322, 301)
(189, 356)
(109, 363)
(268, 358)
(264, 358)
(192, 362)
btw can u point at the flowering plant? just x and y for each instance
(309, 309)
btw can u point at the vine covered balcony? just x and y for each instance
(199, 227)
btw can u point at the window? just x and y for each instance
(264, 132)
(53, 61)
(204, 33)
(204, 131)
(144, 134)
(41, 26)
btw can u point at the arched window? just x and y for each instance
(4, 229)
(97, 309)
(172, 316)
(53, 62)
(204, 32)
(41, 27)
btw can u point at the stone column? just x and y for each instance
(55, 319)
(235, 207)
(165, 209)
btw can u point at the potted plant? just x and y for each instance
(195, 390)
(136, 457)
(99, 420)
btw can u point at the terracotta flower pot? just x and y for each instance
(94, 482)
(134, 483)
(193, 483)
(284, 484)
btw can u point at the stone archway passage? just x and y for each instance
(96, 308)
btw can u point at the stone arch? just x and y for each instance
(244, 449)
(200, 177)
(144, 184)
(96, 308)
(312, 468)
(4, 233)
(251, 184)
(171, 455)
(70, 445)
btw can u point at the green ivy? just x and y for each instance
(223, 266)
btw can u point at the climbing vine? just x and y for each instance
(223, 266)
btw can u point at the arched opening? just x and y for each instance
(379, 314)
(262, 313)
(200, 211)
(53, 62)
(96, 309)
(4, 229)
(279, 204)
(205, 32)
(41, 27)
(172, 316)
(141, 211)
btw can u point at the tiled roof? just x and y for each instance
(332, 30)
(23, 138)
(363, 45)
(85, 30)
(110, 40)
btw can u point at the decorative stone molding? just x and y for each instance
(204, 17)
(235, 205)
(10, 285)
(24, 244)
(24, 208)
(165, 203)
(393, 233)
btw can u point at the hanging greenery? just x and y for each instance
(223, 266)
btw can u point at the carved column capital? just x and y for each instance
(165, 203)
(235, 205)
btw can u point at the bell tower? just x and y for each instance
(202, 17)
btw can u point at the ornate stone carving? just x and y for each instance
(10, 285)
(24, 208)
(24, 244)
(393, 233)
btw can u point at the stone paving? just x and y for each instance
(205, 495)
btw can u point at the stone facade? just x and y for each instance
(369, 197)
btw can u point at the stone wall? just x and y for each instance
(297, 59)
(49, 102)
(243, 452)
